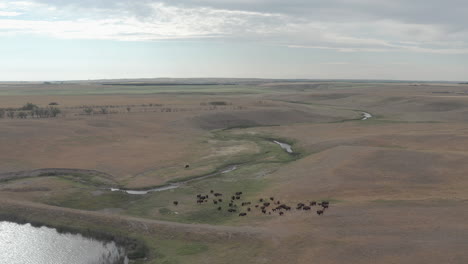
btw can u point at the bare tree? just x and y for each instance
(88, 110)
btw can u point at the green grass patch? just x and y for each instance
(191, 249)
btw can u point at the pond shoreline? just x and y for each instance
(134, 248)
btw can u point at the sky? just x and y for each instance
(312, 39)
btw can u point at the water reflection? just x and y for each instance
(25, 244)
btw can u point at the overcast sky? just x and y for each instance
(317, 39)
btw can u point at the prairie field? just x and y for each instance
(396, 181)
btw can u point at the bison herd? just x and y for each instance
(265, 206)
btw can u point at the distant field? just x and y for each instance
(396, 182)
(98, 89)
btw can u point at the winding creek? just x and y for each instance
(366, 116)
(26, 244)
(284, 146)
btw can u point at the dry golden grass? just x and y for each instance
(397, 182)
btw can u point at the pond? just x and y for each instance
(26, 244)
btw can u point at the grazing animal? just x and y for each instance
(261, 200)
(211, 191)
(256, 206)
(320, 212)
(269, 213)
(281, 213)
(218, 194)
(238, 193)
(231, 204)
(248, 209)
(233, 197)
(187, 166)
(200, 201)
(264, 211)
(266, 204)
(242, 214)
(274, 209)
(272, 198)
(313, 203)
(215, 202)
(325, 206)
(219, 208)
(263, 207)
(306, 208)
(176, 203)
(237, 197)
(198, 195)
(245, 203)
(232, 210)
(220, 200)
(278, 202)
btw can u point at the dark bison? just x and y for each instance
(211, 191)
(264, 211)
(261, 200)
(231, 210)
(238, 193)
(220, 200)
(219, 208)
(218, 194)
(313, 203)
(281, 213)
(175, 202)
(320, 212)
(266, 204)
(237, 197)
(248, 209)
(272, 198)
(242, 214)
(306, 208)
(187, 166)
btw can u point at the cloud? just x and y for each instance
(9, 14)
(342, 25)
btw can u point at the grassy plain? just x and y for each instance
(397, 182)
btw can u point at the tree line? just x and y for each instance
(30, 110)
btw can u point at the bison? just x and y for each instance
(176, 203)
(242, 214)
(320, 212)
